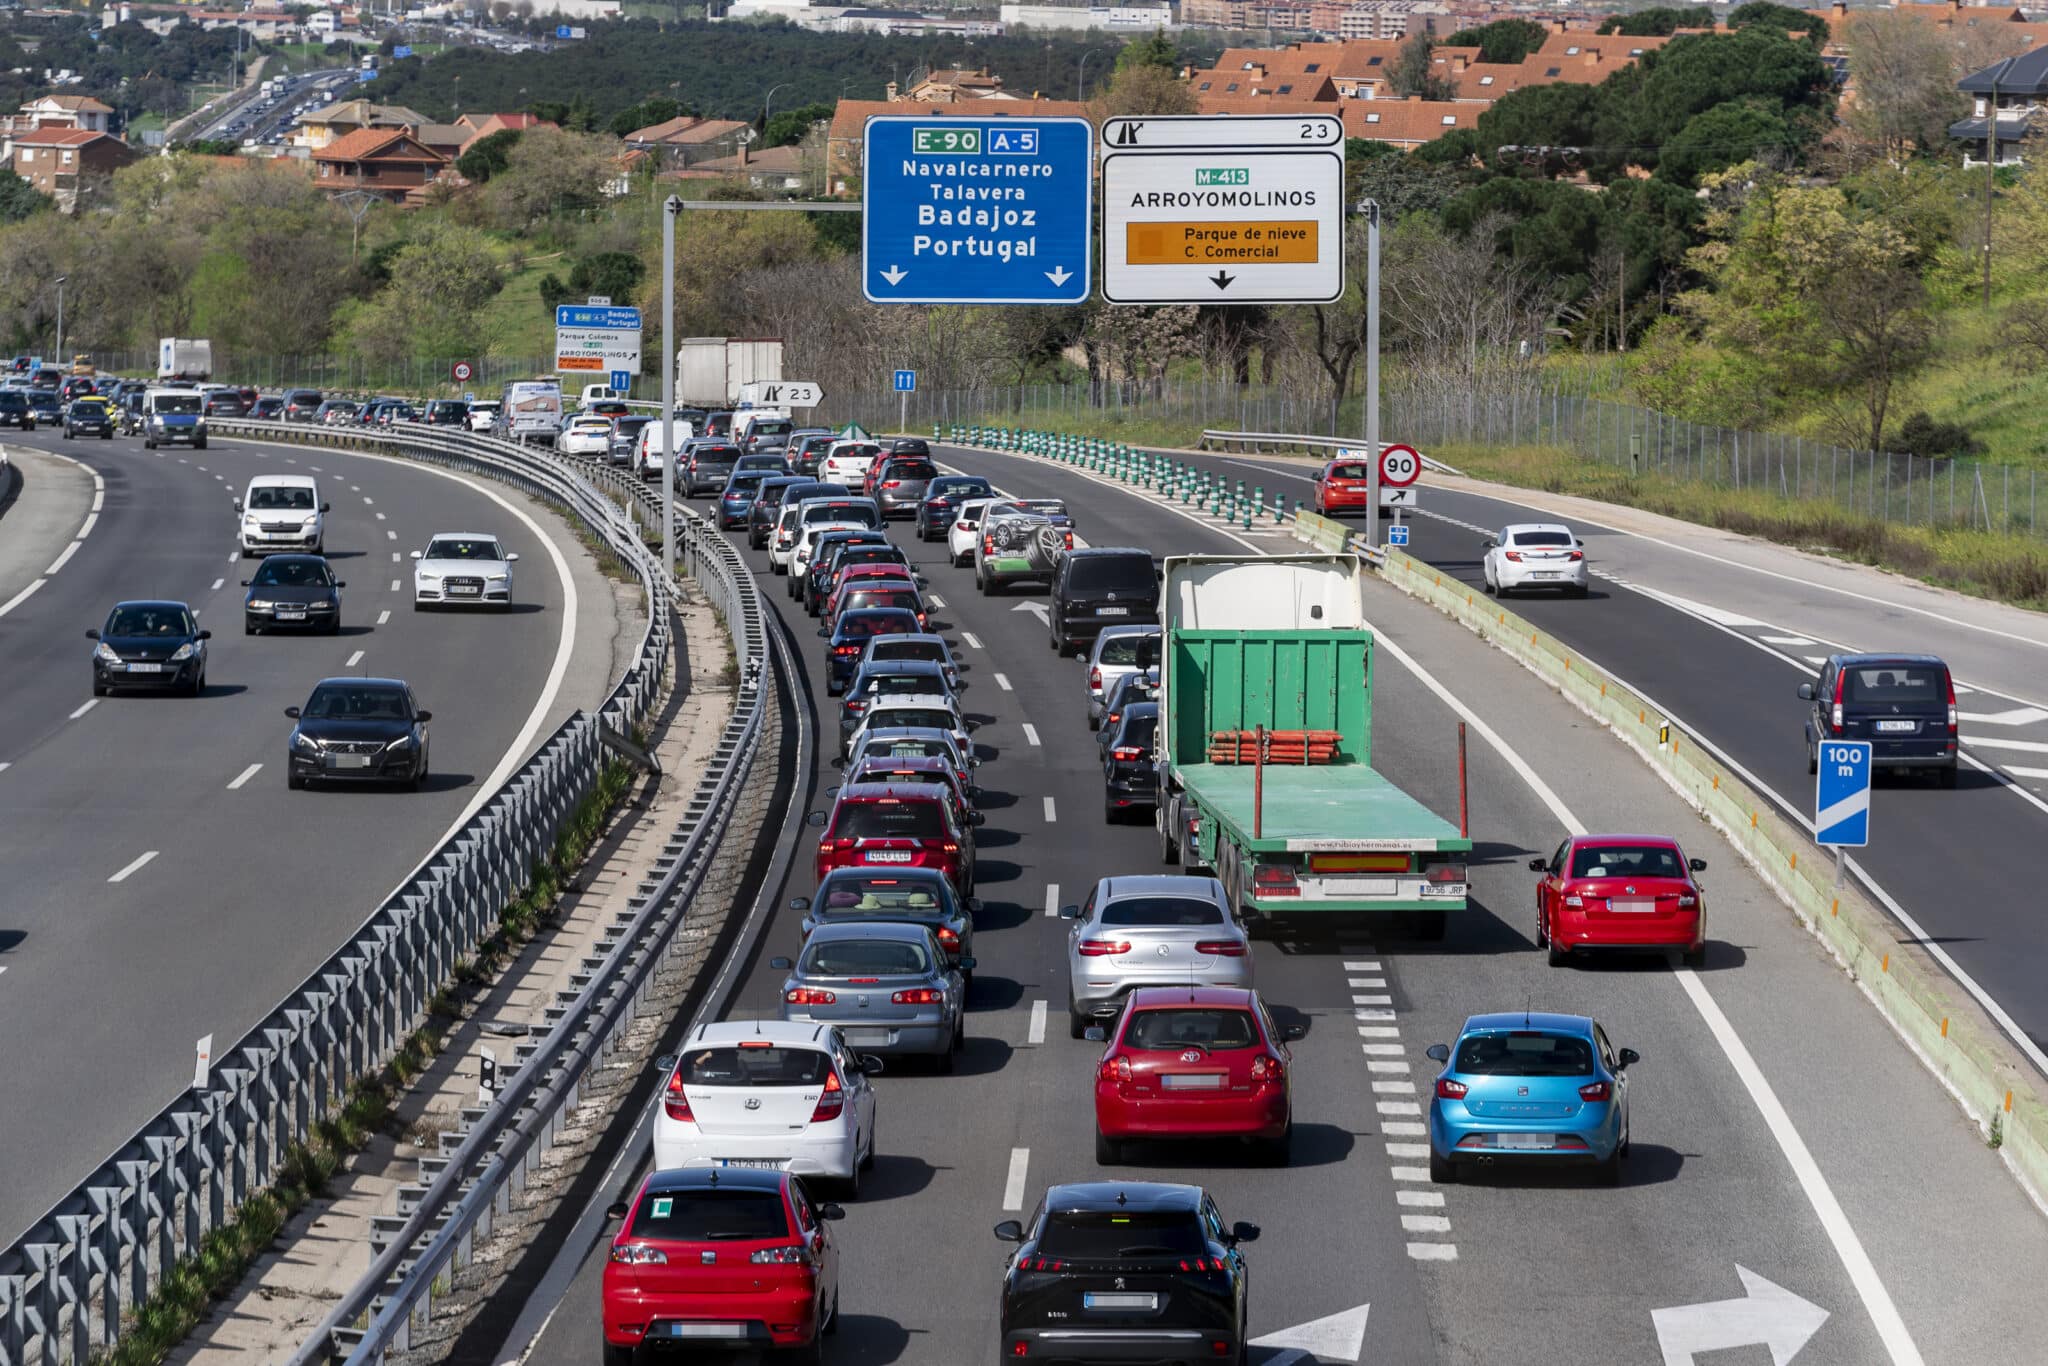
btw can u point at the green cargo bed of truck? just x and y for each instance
(1321, 806)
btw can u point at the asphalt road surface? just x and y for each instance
(1799, 1188)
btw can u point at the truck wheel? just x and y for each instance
(1166, 819)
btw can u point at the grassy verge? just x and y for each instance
(1984, 564)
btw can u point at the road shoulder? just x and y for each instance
(44, 499)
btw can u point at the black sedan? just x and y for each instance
(1129, 779)
(295, 592)
(941, 503)
(848, 641)
(14, 410)
(89, 417)
(149, 645)
(269, 408)
(358, 730)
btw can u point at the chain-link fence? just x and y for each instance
(417, 376)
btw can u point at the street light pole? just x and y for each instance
(670, 208)
(60, 317)
(1371, 209)
(768, 101)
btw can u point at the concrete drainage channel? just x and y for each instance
(70, 1283)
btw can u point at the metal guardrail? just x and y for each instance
(67, 1284)
(1256, 442)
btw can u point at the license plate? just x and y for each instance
(1192, 1081)
(761, 1163)
(145, 668)
(887, 856)
(724, 1331)
(290, 616)
(1894, 727)
(348, 761)
(871, 1038)
(1359, 886)
(1544, 574)
(1112, 611)
(1631, 906)
(465, 590)
(1092, 1299)
(1443, 889)
(1530, 1141)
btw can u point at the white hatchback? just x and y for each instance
(1535, 555)
(589, 435)
(848, 462)
(965, 531)
(766, 1093)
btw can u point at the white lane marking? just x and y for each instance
(1383, 1050)
(2019, 772)
(19, 598)
(216, 585)
(973, 641)
(384, 616)
(1378, 1032)
(1986, 742)
(1403, 1128)
(1392, 1088)
(1425, 1223)
(1366, 983)
(1433, 1252)
(1420, 1199)
(391, 535)
(2018, 716)
(1036, 1033)
(394, 556)
(1361, 967)
(134, 867)
(380, 516)
(367, 501)
(234, 555)
(316, 469)
(354, 660)
(1372, 999)
(1004, 683)
(1397, 1107)
(394, 585)
(5, 767)
(1412, 1173)
(244, 776)
(200, 468)
(355, 488)
(63, 558)
(1372, 1013)
(87, 706)
(1409, 1150)
(1052, 898)
(1392, 1065)
(92, 519)
(1013, 1185)
(1050, 814)
(1786, 640)
(935, 600)
(1815, 660)
(1030, 733)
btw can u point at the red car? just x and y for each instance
(1342, 486)
(895, 825)
(1620, 892)
(726, 1257)
(864, 594)
(871, 575)
(1194, 1062)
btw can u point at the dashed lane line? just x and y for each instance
(973, 641)
(244, 776)
(1052, 898)
(1004, 683)
(1036, 1033)
(216, 585)
(394, 585)
(85, 707)
(1051, 814)
(384, 616)
(1013, 1184)
(137, 866)
(1030, 733)
(354, 660)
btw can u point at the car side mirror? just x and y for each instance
(206, 635)
(615, 1210)
(974, 761)
(977, 818)
(839, 763)
(1293, 1032)
(424, 717)
(92, 633)
(1579, 543)
(1242, 1232)
(1437, 1052)
(972, 725)
(1489, 543)
(1698, 865)
(512, 558)
(415, 554)
(292, 712)
(967, 964)
(781, 964)
(341, 583)
(245, 583)
(831, 1213)
(1629, 1057)
(327, 507)
(1095, 1034)
(666, 1062)
(1070, 912)
(870, 1065)
(799, 903)
(238, 505)
(816, 820)
(1806, 692)
(1537, 865)
(824, 634)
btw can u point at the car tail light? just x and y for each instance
(1117, 1068)
(1835, 716)
(891, 483)
(1127, 753)
(856, 707)
(918, 996)
(1201, 1264)
(1268, 1071)
(1104, 948)
(809, 996)
(1576, 900)
(988, 545)
(1951, 705)
(1070, 540)
(1514, 555)
(1274, 879)
(1446, 1089)
(1041, 1264)
(864, 981)
(795, 1254)
(638, 1254)
(1220, 948)
(1095, 679)
(830, 1101)
(1447, 872)
(1578, 555)
(846, 650)
(948, 939)
(674, 1103)
(1597, 1091)
(1688, 899)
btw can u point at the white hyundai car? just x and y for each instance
(965, 531)
(462, 567)
(1535, 555)
(585, 435)
(764, 1093)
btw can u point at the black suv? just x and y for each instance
(1129, 777)
(14, 410)
(1137, 1271)
(1904, 705)
(1101, 587)
(911, 445)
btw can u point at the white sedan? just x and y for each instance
(585, 436)
(462, 567)
(765, 1093)
(1535, 555)
(965, 531)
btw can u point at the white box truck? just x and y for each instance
(184, 358)
(711, 371)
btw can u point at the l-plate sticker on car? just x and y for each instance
(662, 1206)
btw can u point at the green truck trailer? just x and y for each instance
(1278, 645)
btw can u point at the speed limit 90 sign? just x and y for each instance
(1400, 466)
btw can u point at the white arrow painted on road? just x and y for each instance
(1060, 276)
(1036, 609)
(1767, 1314)
(894, 275)
(2018, 716)
(1339, 1337)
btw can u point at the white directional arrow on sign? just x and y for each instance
(1037, 609)
(1338, 1337)
(1768, 1314)
(1059, 276)
(894, 274)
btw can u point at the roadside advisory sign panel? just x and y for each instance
(977, 211)
(1223, 210)
(596, 339)
(1841, 794)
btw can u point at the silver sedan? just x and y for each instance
(887, 986)
(1150, 931)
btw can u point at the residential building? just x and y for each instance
(68, 111)
(1371, 18)
(686, 140)
(1408, 123)
(389, 162)
(67, 163)
(336, 121)
(479, 126)
(1246, 14)
(2008, 98)
(950, 87)
(1115, 18)
(774, 170)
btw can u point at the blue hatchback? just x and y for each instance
(1530, 1086)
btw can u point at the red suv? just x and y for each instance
(1194, 1062)
(896, 825)
(728, 1256)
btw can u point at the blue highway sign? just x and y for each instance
(1841, 797)
(977, 211)
(606, 318)
(1397, 535)
(906, 381)
(622, 380)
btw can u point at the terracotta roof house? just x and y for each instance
(479, 126)
(1408, 123)
(689, 138)
(389, 162)
(323, 126)
(68, 111)
(67, 162)
(950, 87)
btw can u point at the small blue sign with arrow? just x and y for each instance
(1841, 798)
(906, 381)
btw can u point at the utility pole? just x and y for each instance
(670, 209)
(60, 317)
(1990, 170)
(1621, 300)
(1371, 209)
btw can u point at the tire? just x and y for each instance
(832, 1318)
(292, 780)
(1442, 1171)
(942, 1063)
(1430, 926)
(1169, 845)
(1577, 590)
(1108, 1151)
(247, 629)
(1077, 1025)
(1948, 777)
(1812, 760)
(809, 1354)
(1278, 1152)
(1610, 1170)
(67, 433)
(148, 444)
(1052, 641)
(419, 779)
(1696, 957)
(107, 436)
(1555, 956)
(199, 445)
(849, 1189)
(617, 1356)
(99, 689)
(1110, 814)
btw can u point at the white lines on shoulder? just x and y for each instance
(19, 598)
(1051, 813)
(85, 707)
(289, 460)
(368, 501)
(394, 554)
(316, 469)
(1372, 999)
(935, 600)
(1420, 1199)
(1036, 1033)
(1815, 660)
(1433, 1252)
(355, 488)
(1030, 733)
(1786, 640)
(1360, 965)
(384, 616)
(354, 660)
(5, 767)
(1004, 683)
(973, 641)
(1052, 898)
(134, 867)
(234, 555)
(216, 585)
(62, 559)
(244, 776)
(1013, 1184)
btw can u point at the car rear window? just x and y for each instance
(1105, 1235)
(910, 749)
(841, 512)
(1525, 1053)
(1880, 683)
(889, 819)
(879, 898)
(912, 469)
(1633, 861)
(1123, 650)
(1139, 731)
(1161, 910)
(882, 597)
(863, 958)
(911, 718)
(1183, 1027)
(898, 650)
(749, 1064)
(1542, 538)
(899, 685)
(893, 623)
(1120, 573)
(1349, 472)
(704, 1216)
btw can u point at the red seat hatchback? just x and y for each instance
(1343, 486)
(896, 825)
(1194, 1062)
(1620, 892)
(720, 1257)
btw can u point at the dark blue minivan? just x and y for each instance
(1904, 705)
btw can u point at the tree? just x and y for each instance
(791, 126)
(19, 199)
(1783, 18)
(1503, 40)
(1740, 130)
(440, 281)
(1414, 75)
(488, 155)
(1657, 21)
(1906, 71)
(1156, 51)
(1142, 89)
(547, 171)
(213, 147)
(1398, 183)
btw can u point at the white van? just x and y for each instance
(282, 512)
(173, 415)
(530, 410)
(597, 393)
